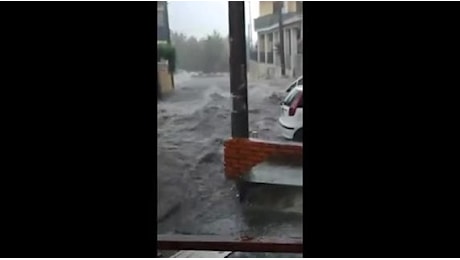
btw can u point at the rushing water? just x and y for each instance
(194, 196)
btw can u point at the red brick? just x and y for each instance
(248, 164)
(290, 149)
(295, 148)
(255, 150)
(244, 150)
(229, 163)
(229, 170)
(232, 175)
(256, 157)
(231, 157)
(232, 170)
(274, 146)
(250, 158)
(237, 166)
(232, 154)
(237, 157)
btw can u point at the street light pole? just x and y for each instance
(279, 11)
(238, 72)
(249, 24)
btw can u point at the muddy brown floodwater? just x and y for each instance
(194, 197)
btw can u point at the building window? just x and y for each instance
(262, 42)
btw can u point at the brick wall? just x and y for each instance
(241, 154)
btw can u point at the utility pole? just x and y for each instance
(166, 15)
(279, 7)
(238, 74)
(250, 24)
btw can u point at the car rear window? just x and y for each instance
(291, 86)
(300, 82)
(291, 97)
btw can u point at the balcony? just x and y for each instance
(272, 19)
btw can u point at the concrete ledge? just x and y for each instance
(275, 142)
(201, 254)
(270, 173)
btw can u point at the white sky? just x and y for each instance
(200, 18)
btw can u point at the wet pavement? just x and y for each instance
(194, 196)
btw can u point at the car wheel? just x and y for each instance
(298, 136)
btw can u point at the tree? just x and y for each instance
(167, 52)
(209, 54)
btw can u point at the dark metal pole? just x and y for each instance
(166, 17)
(158, 87)
(281, 35)
(158, 78)
(238, 73)
(166, 12)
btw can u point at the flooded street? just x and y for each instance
(194, 195)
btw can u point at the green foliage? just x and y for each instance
(167, 52)
(210, 54)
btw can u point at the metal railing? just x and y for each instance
(236, 244)
(271, 19)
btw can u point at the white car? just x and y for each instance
(291, 119)
(297, 82)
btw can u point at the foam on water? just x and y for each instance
(192, 125)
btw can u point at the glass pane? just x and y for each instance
(300, 82)
(291, 97)
(291, 87)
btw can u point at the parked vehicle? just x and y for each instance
(297, 82)
(291, 119)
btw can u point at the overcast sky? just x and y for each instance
(200, 18)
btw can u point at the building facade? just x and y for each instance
(163, 34)
(165, 79)
(267, 27)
